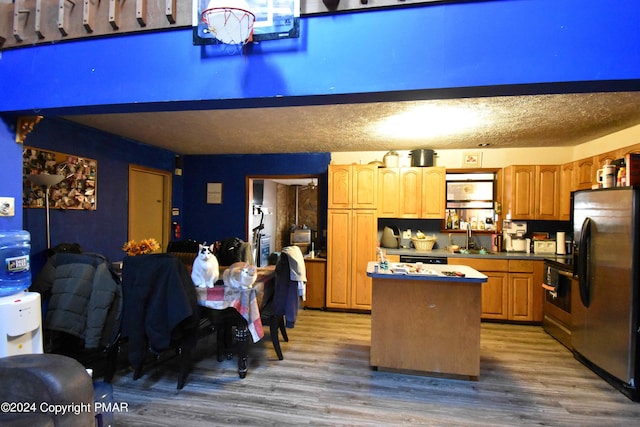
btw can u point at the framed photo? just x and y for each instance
(472, 159)
(214, 193)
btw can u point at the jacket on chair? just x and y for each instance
(160, 304)
(84, 297)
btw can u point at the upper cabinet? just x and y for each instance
(531, 192)
(519, 191)
(547, 188)
(353, 186)
(585, 173)
(434, 197)
(564, 192)
(412, 192)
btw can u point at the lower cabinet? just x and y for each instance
(316, 269)
(513, 290)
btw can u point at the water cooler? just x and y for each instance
(20, 311)
(20, 324)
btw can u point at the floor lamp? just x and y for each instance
(46, 180)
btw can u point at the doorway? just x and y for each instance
(149, 205)
(278, 205)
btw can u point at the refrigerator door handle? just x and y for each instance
(583, 263)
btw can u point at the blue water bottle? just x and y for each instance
(15, 271)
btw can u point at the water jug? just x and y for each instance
(15, 272)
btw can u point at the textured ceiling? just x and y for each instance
(508, 122)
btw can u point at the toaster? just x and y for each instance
(544, 246)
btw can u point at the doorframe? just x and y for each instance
(166, 204)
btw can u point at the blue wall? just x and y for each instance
(10, 173)
(213, 222)
(105, 229)
(413, 49)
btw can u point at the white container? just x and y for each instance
(560, 243)
(391, 159)
(606, 176)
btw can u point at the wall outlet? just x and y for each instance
(7, 206)
(406, 234)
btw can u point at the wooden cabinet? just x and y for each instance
(513, 291)
(351, 244)
(519, 191)
(564, 191)
(388, 192)
(532, 192)
(316, 282)
(434, 197)
(411, 193)
(585, 174)
(547, 192)
(353, 187)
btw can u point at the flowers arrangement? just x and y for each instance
(146, 246)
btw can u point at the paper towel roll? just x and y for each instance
(560, 243)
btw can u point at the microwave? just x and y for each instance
(470, 194)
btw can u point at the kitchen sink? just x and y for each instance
(474, 252)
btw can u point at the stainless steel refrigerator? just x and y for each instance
(606, 311)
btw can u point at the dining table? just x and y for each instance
(227, 307)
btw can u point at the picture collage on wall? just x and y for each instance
(76, 191)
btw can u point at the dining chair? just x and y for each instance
(160, 310)
(279, 299)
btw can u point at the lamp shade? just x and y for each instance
(45, 179)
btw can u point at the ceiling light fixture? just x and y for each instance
(484, 144)
(429, 121)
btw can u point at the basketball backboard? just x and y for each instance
(275, 19)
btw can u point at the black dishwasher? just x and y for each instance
(425, 259)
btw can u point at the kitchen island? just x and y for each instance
(427, 320)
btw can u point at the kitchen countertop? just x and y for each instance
(490, 255)
(432, 272)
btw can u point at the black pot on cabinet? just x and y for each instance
(422, 158)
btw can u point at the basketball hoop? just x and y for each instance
(230, 21)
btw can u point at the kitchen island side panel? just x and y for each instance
(429, 326)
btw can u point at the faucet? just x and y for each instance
(469, 237)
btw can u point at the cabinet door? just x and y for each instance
(519, 191)
(410, 192)
(365, 186)
(316, 282)
(495, 297)
(521, 296)
(340, 184)
(339, 230)
(433, 192)
(585, 174)
(547, 190)
(364, 238)
(564, 191)
(388, 192)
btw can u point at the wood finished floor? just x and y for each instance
(527, 379)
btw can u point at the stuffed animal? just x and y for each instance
(240, 275)
(205, 270)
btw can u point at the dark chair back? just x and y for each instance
(160, 307)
